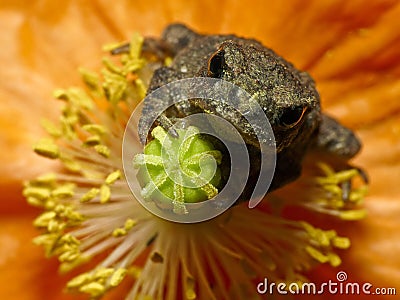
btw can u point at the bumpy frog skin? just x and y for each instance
(287, 96)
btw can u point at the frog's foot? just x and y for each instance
(339, 183)
(167, 125)
(346, 185)
(124, 48)
(151, 46)
(163, 121)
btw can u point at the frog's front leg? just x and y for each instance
(174, 38)
(151, 46)
(338, 144)
(336, 140)
(165, 102)
(159, 106)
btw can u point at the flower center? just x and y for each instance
(178, 170)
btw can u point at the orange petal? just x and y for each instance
(24, 274)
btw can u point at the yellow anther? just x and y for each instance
(51, 128)
(64, 247)
(346, 175)
(70, 239)
(66, 190)
(103, 273)
(168, 61)
(50, 204)
(34, 201)
(341, 242)
(93, 192)
(136, 45)
(44, 219)
(55, 226)
(113, 79)
(316, 254)
(67, 129)
(46, 239)
(114, 176)
(60, 208)
(60, 94)
(91, 79)
(357, 196)
(76, 96)
(118, 232)
(322, 238)
(353, 215)
(71, 164)
(330, 234)
(114, 88)
(338, 177)
(129, 224)
(94, 289)
(333, 188)
(117, 277)
(309, 228)
(112, 67)
(142, 90)
(334, 259)
(95, 129)
(337, 202)
(79, 280)
(134, 271)
(111, 46)
(48, 178)
(92, 140)
(37, 192)
(69, 256)
(326, 169)
(69, 265)
(47, 148)
(102, 150)
(133, 65)
(105, 193)
(70, 118)
(73, 216)
(190, 289)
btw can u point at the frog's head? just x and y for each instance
(287, 96)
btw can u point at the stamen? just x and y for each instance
(89, 211)
(47, 149)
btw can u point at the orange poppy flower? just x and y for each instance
(350, 48)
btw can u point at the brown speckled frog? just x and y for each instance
(287, 96)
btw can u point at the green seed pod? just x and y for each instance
(178, 170)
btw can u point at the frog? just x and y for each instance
(287, 96)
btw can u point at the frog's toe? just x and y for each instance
(121, 49)
(346, 185)
(167, 125)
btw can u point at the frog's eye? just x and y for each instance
(292, 116)
(216, 64)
